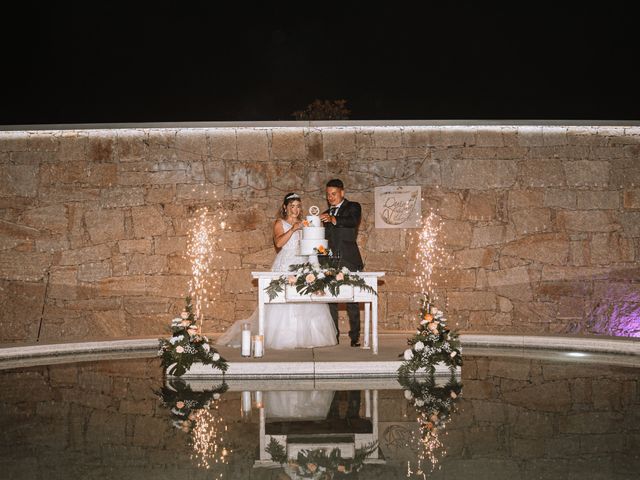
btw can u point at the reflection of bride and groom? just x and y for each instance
(306, 325)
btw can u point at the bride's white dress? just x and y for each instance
(288, 325)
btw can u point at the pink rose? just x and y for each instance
(179, 349)
(340, 276)
(291, 280)
(180, 404)
(310, 278)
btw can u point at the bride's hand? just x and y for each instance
(296, 226)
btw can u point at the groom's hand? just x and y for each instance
(326, 218)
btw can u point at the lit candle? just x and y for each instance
(258, 345)
(258, 395)
(246, 340)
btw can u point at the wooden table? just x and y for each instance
(348, 294)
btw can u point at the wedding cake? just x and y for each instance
(313, 235)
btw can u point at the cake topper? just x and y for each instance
(314, 210)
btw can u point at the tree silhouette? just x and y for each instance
(324, 110)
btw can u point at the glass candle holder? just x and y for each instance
(245, 340)
(258, 346)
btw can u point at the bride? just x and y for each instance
(288, 325)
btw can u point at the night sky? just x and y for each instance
(192, 61)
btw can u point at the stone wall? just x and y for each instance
(542, 224)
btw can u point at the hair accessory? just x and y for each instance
(292, 195)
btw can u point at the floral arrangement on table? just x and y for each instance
(187, 346)
(317, 463)
(183, 403)
(310, 278)
(432, 343)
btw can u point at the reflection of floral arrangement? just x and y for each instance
(317, 463)
(433, 343)
(309, 279)
(321, 250)
(186, 346)
(435, 405)
(183, 402)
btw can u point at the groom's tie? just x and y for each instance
(332, 211)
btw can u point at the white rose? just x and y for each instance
(408, 354)
(419, 346)
(215, 357)
(216, 396)
(453, 354)
(422, 322)
(345, 270)
(176, 320)
(174, 340)
(419, 402)
(184, 315)
(408, 395)
(206, 347)
(320, 275)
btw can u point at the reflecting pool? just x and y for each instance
(530, 417)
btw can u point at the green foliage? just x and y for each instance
(433, 343)
(310, 279)
(186, 346)
(317, 463)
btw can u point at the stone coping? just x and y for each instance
(627, 346)
(323, 123)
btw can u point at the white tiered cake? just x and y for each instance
(313, 235)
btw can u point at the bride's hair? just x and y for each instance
(288, 198)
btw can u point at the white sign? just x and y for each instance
(398, 207)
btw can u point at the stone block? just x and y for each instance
(471, 300)
(106, 428)
(24, 266)
(205, 193)
(532, 221)
(546, 248)
(18, 180)
(215, 172)
(560, 198)
(261, 258)
(480, 206)
(176, 286)
(454, 233)
(587, 173)
(546, 397)
(146, 305)
(21, 310)
(85, 255)
(288, 144)
(491, 235)
(252, 145)
(338, 142)
(591, 422)
(104, 225)
(118, 286)
(475, 257)
(131, 145)
(170, 245)
(147, 222)
(608, 248)
(631, 199)
(598, 200)
(141, 264)
(587, 221)
(513, 283)
(479, 174)
(630, 222)
(122, 197)
(52, 218)
(541, 173)
(136, 246)
(238, 281)
(192, 145)
(93, 271)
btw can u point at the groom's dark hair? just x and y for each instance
(335, 182)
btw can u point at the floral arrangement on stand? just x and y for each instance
(187, 346)
(183, 402)
(317, 464)
(316, 279)
(432, 344)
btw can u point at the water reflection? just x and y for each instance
(197, 413)
(514, 418)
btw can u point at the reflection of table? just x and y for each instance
(297, 433)
(347, 295)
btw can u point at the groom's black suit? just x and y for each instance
(342, 242)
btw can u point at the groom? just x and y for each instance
(341, 222)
